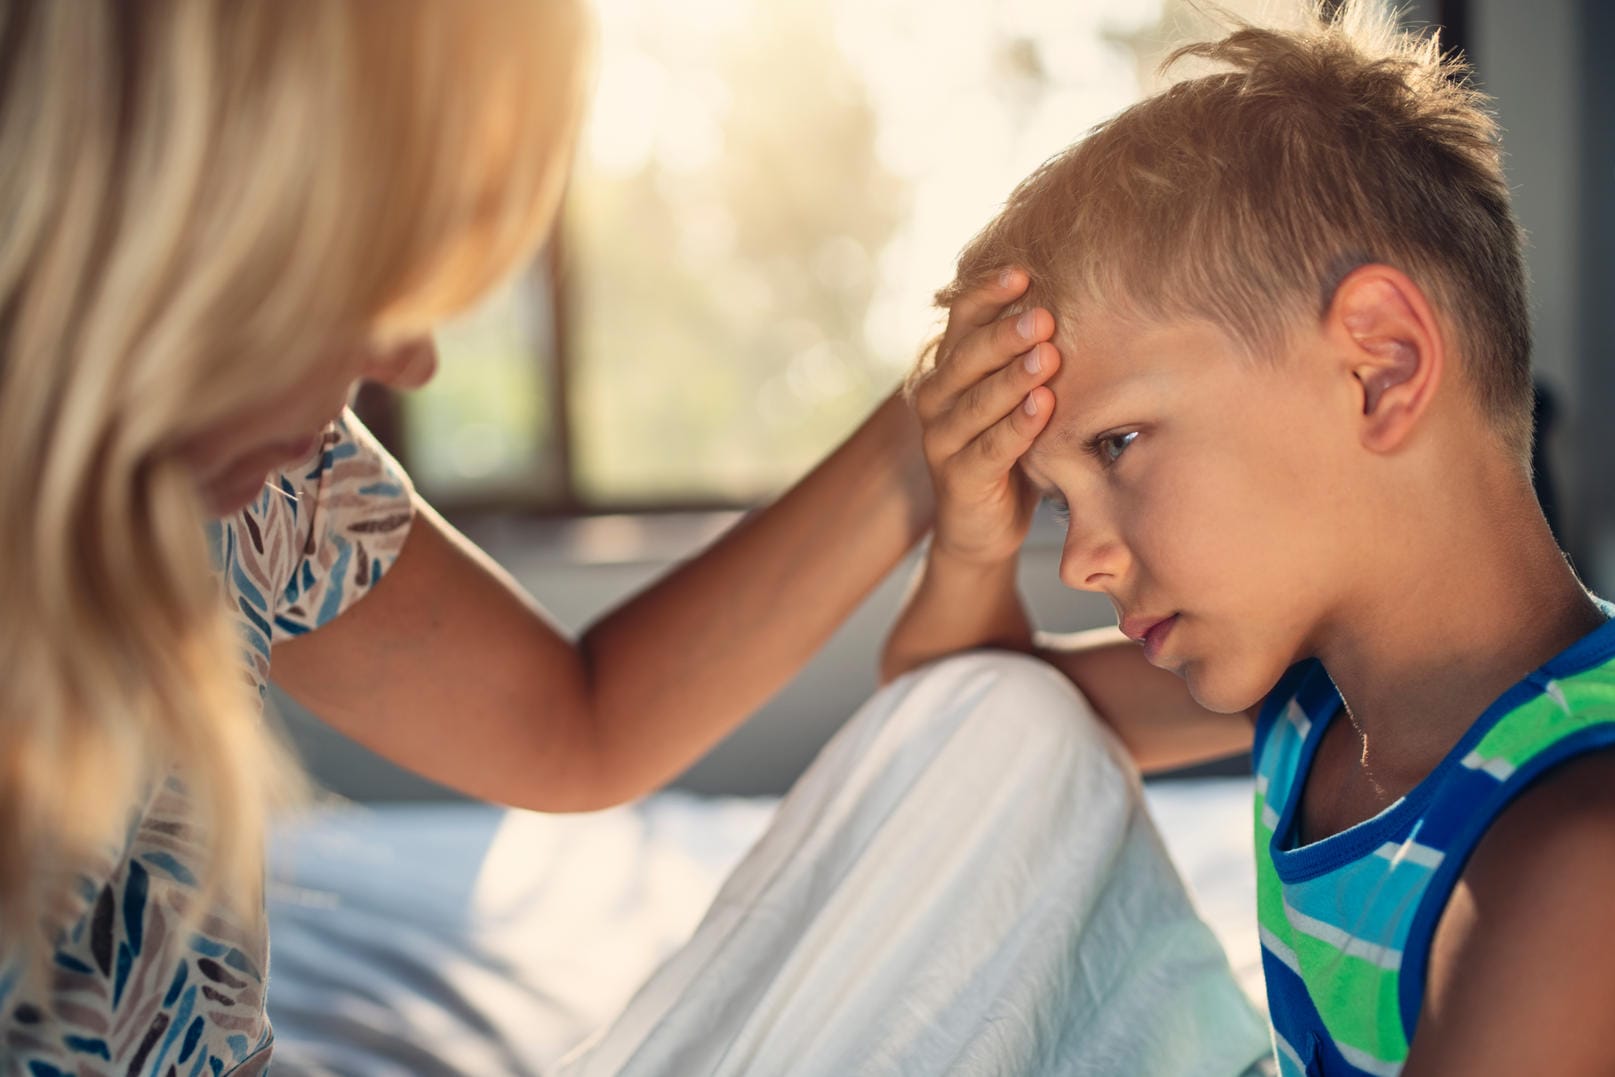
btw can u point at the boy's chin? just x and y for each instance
(1225, 690)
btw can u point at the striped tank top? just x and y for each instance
(1346, 922)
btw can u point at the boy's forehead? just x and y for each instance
(1100, 358)
(1103, 354)
(1084, 388)
(1109, 364)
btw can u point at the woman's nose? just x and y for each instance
(408, 365)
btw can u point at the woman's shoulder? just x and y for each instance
(320, 536)
(352, 516)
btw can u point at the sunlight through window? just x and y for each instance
(767, 194)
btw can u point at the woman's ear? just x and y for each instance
(1393, 350)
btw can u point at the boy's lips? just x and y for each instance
(1149, 631)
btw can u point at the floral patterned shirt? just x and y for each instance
(124, 997)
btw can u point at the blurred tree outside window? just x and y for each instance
(484, 429)
(766, 195)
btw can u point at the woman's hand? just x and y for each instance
(979, 407)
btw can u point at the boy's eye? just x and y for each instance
(1111, 446)
(1058, 509)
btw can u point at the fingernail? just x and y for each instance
(1030, 406)
(1031, 362)
(1025, 324)
(1006, 278)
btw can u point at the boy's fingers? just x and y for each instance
(925, 397)
(981, 306)
(992, 454)
(991, 399)
(989, 348)
(1000, 392)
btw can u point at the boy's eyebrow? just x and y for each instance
(1050, 443)
(1079, 430)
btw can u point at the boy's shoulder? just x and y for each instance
(1548, 832)
(1523, 946)
(1566, 807)
(1522, 967)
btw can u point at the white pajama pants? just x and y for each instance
(964, 882)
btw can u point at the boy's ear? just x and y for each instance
(1393, 349)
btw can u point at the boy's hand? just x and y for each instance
(980, 406)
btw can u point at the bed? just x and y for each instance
(462, 939)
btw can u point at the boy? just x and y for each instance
(1288, 411)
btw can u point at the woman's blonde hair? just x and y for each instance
(202, 197)
(1244, 196)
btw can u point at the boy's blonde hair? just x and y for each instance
(203, 200)
(1244, 197)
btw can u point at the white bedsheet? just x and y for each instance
(464, 939)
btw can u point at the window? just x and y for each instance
(485, 428)
(767, 193)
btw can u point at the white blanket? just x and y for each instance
(461, 939)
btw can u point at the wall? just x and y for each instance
(1595, 285)
(1543, 64)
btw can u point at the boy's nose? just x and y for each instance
(1091, 560)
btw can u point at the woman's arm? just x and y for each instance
(450, 669)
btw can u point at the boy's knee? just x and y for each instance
(1023, 700)
(989, 674)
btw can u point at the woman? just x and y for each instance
(220, 216)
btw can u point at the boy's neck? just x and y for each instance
(1460, 614)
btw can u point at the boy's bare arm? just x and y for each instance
(954, 606)
(1150, 709)
(1522, 968)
